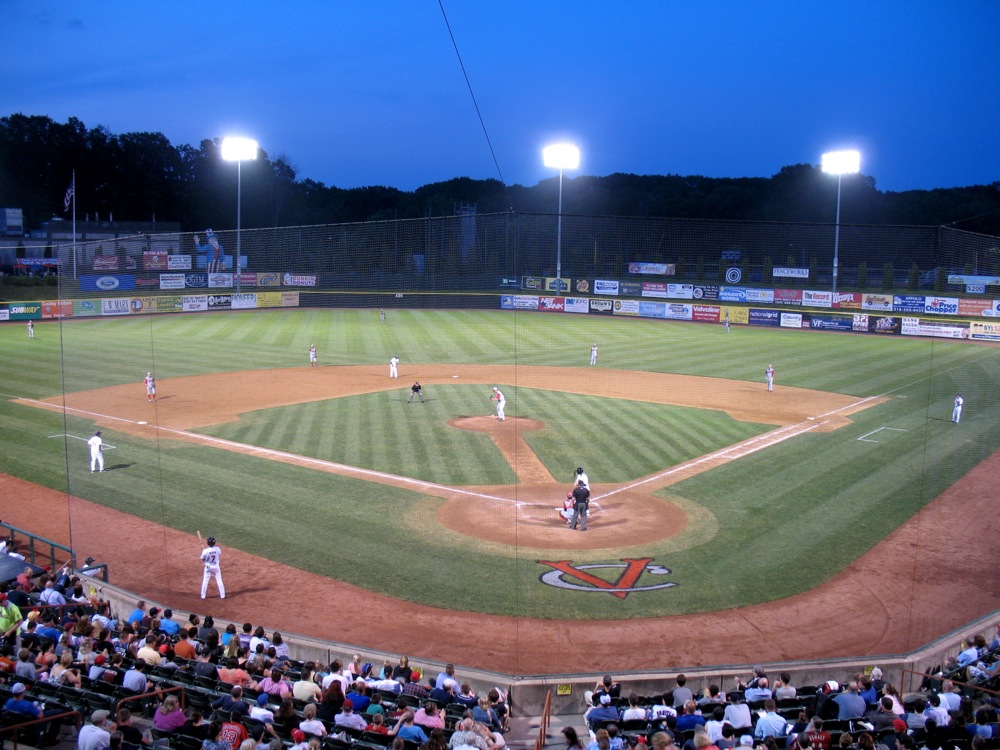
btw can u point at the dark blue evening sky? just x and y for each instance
(370, 92)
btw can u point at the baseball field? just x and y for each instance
(711, 496)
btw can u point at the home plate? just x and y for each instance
(143, 422)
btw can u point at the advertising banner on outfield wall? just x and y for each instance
(788, 297)
(551, 304)
(848, 300)
(626, 307)
(605, 286)
(290, 299)
(941, 306)
(85, 307)
(908, 303)
(816, 299)
(220, 280)
(658, 269)
(533, 283)
(196, 280)
(976, 308)
(139, 305)
(935, 328)
(630, 289)
(601, 306)
(116, 306)
(679, 311)
(577, 305)
(194, 303)
(831, 322)
(706, 313)
(732, 294)
(244, 301)
(653, 289)
(154, 260)
(758, 317)
(172, 281)
(790, 273)
(271, 299)
(525, 302)
(984, 331)
(57, 309)
(884, 324)
(706, 292)
(268, 279)
(557, 285)
(680, 291)
(291, 279)
(876, 302)
(765, 296)
(652, 310)
(582, 286)
(24, 310)
(170, 303)
(178, 262)
(216, 301)
(4, 313)
(792, 320)
(107, 283)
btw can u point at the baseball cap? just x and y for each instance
(100, 659)
(605, 699)
(18, 688)
(348, 705)
(3, 597)
(262, 699)
(414, 676)
(899, 725)
(450, 683)
(298, 735)
(99, 716)
(746, 741)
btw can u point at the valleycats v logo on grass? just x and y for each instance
(566, 575)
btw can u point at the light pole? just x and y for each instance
(840, 163)
(560, 156)
(237, 150)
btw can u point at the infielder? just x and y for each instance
(416, 390)
(501, 403)
(956, 412)
(593, 354)
(150, 383)
(212, 557)
(96, 452)
(312, 355)
(394, 367)
(769, 377)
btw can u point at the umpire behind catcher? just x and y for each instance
(581, 501)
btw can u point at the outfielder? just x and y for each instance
(956, 412)
(96, 452)
(312, 355)
(394, 367)
(31, 330)
(725, 321)
(593, 354)
(150, 383)
(501, 403)
(769, 377)
(212, 557)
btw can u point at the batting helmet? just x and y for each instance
(211, 541)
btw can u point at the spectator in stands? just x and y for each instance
(882, 717)
(19, 704)
(713, 726)
(131, 734)
(376, 724)
(64, 673)
(758, 674)
(233, 732)
(260, 711)
(937, 711)
(448, 673)
(232, 703)
(702, 742)
(467, 696)
(819, 738)
(51, 596)
(728, 739)
(682, 693)
(259, 638)
(149, 653)
(402, 671)
(866, 689)
(690, 719)
(982, 727)
(850, 705)
(771, 724)
(890, 692)
(759, 691)
(10, 620)
(405, 729)
(595, 716)
(185, 648)
(607, 685)
(347, 718)
(306, 688)
(738, 714)
(602, 740)
(466, 737)
(662, 741)
(246, 635)
(279, 646)
(310, 724)
(877, 682)
(414, 688)
(195, 725)
(275, 684)
(97, 670)
(169, 717)
(917, 718)
(233, 674)
(25, 667)
(97, 734)
(498, 702)
(359, 697)
(428, 716)
(712, 694)
(333, 700)
(485, 714)
(951, 695)
(634, 712)
(783, 688)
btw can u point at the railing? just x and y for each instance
(15, 728)
(543, 726)
(914, 674)
(32, 555)
(159, 691)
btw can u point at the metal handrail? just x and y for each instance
(44, 720)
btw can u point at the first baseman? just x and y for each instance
(769, 377)
(956, 412)
(501, 402)
(212, 557)
(96, 452)
(394, 367)
(150, 382)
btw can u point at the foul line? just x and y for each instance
(894, 429)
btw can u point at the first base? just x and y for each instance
(143, 422)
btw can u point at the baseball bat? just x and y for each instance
(199, 538)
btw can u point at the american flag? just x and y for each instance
(70, 192)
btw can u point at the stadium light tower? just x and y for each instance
(560, 156)
(237, 150)
(840, 163)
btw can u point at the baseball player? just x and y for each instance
(593, 354)
(394, 367)
(725, 321)
(566, 512)
(501, 403)
(956, 412)
(381, 315)
(96, 452)
(211, 556)
(312, 355)
(580, 479)
(150, 383)
(769, 377)
(416, 390)
(31, 330)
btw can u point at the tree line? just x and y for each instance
(142, 177)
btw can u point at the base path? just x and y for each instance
(903, 593)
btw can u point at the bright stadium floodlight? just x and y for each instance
(840, 163)
(560, 156)
(238, 150)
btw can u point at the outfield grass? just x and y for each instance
(776, 522)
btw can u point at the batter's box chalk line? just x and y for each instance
(864, 438)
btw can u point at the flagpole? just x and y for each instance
(73, 183)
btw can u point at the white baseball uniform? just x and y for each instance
(96, 453)
(956, 413)
(212, 557)
(31, 330)
(312, 356)
(394, 367)
(593, 354)
(769, 377)
(501, 403)
(150, 382)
